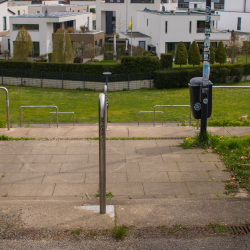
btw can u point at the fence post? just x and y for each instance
(128, 81)
(2, 75)
(21, 77)
(62, 80)
(83, 76)
(150, 79)
(41, 79)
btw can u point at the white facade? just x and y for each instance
(237, 5)
(199, 5)
(4, 23)
(125, 10)
(236, 16)
(46, 26)
(165, 28)
(19, 9)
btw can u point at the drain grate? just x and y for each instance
(239, 229)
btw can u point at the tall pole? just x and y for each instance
(131, 34)
(206, 69)
(102, 153)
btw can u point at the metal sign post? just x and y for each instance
(102, 153)
(7, 107)
(206, 69)
(106, 104)
(106, 93)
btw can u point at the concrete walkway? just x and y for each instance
(152, 180)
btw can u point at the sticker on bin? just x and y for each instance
(197, 106)
(205, 101)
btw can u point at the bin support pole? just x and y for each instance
(102, 153)
(204, 87)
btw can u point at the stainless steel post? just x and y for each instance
(106, 105)
(7, 107)
(102, 153)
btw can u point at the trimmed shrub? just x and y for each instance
(220, 53)
(181, 54)
(167, 60)
(194, 54)
(108, 51)
(120, 50)
(139, 64)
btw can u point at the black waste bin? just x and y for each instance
(195, 92)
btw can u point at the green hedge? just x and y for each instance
(108, 51)
(128, 65)
(167, 60)
(136, 64)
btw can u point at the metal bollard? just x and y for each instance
(7, 107)
(102, 153)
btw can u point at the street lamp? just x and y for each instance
(106, 95)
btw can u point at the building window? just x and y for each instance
(36, 49)
(78, 10)
(239, 23)
(4, 23)
(23, 12)
(26, 26)
(166, 27)
(147, 22)
(38, 11)
(200, 26)
(18, 12)
(142, 44)
(195, 6)
(190, 27)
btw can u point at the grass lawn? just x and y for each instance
(123, 105)
(106, 62)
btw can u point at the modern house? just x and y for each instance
(115, 15)
(5, 13)
(236, 16)
(198, 4)
(42, 26)
(164, 30)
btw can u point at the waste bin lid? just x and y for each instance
(197, 81)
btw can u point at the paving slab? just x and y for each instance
(206, 187)
(22, 178)
(110, 178)
(75, 189)
(238, 131)
(148, 177)
(218, 131)
(42, 150)
(69, 158)
(174, 157)
(158, 166)
(219, 175)
(32, 158)
(123, 167)
(41, 143)
(64, 178)
(209, 157)
(197, 166)
(160, 150)
(31, 189)
(10, 167)
(41, 167)
(165, 188)
(168, 142)
(7, 158)
(130, 189)
(78, 167)
(189, 176)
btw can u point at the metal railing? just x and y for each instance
(63, 113)
(151, 112)
(163, 106)
(102, 152)
(38, 107)
(7, 107)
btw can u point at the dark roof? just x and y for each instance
(11, 12)
(136, 34)
(2, 1)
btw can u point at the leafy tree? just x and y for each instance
(23, 45)
(220, 53)
(234, 46)
(62, 48)
(212, 55)
(194, 54)
(181, 54)
(92, 51)
(246, 49)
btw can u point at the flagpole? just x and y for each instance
(131, 35)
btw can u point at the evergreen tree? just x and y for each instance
(23, 45)
(220, 53)
(62, 48)
(194, 54)
(181, 54)
(212, 55)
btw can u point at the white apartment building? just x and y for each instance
(236, 16)
(199, 5)
(5, 13)
(164, 30)
(115, 15)
(41, 27)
